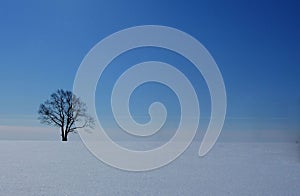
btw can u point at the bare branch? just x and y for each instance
(64, 110)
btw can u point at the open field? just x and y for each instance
(55, 168)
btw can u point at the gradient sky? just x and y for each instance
(256, 45)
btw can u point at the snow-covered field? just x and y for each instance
(55, 168)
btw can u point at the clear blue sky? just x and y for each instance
(256, 45)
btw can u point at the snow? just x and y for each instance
(56, 168)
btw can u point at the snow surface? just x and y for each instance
(56, 168)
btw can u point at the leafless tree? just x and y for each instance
(64, 110)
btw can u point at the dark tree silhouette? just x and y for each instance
(62, 110)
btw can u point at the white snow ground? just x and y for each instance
(55, 168)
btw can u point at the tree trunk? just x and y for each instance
(64, 135)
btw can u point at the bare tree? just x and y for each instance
(64, 110)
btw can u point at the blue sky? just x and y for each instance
(256, 45)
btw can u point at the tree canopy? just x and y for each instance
(66, 111)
